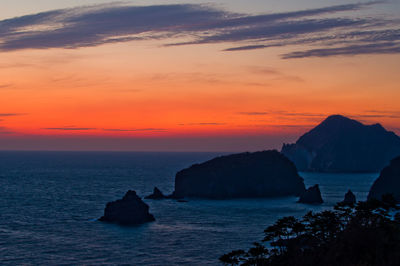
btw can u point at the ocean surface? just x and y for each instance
(49, 203)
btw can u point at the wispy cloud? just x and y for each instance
(272, 74)
(386, 112)
(3, 86)
(287, 115)
(11, 114)
(334, 29)
(254, 113)
(203, 124)
(5, 131)
(378, 48)
(135, 129)
(283, 113)
(70, 128)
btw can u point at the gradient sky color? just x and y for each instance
(192, 75)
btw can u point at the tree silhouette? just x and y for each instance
(367, 233)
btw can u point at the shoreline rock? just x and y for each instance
(388, 182)
(349, 198)
(130, 210)
(311, 196)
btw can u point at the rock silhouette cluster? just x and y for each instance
(130, 210)
(340, 144)
(388, 182)
(311, 196)
(244, 175)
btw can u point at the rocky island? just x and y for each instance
(244, 175)
(341, 144)
(130, 210)
(311, 196)
(349, 198)
(388, 182)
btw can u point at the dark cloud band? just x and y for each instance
(97, 25)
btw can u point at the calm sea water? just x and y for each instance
(49, 203)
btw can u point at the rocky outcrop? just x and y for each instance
(244, 175)
(157, 195)
(388, 182)
(182, 201)
(130, 210)
(349, 198)
(340, 144)
(311, 196)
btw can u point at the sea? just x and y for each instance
(50, 203)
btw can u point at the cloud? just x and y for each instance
(284, 30)
(272, 74)
(387, 112)
(246, 47)
(365, 116)
(134, 130)
(3, 86)
(70, 128)
(5, 131)
(198, 24)
(302, 126)
(282, 113)
(204, 124)
(254, 113)
(378, 48)
(96, 25)
(11, 114)
(378, 114)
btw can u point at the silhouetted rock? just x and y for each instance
(311, 196)
(244, 175)
(130, 210)
(388, 182)
(349, 198)
(340, 144)
(157, 194)
(182, 200)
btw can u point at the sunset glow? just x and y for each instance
(141, 87)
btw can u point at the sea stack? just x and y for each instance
(157, 195)
(349, 198)
(388, 182)
(341, 144)
(244, 175)
(130, 210)
(311, 196)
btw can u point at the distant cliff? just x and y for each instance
(388, 182)
(244, 175)
(340, 144)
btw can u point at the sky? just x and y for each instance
(191, 75)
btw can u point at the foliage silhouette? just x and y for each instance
(366, 233)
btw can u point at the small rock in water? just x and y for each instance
(349, 198)
(130, 210)
(182, 200)
(311, 196)
(157, 194)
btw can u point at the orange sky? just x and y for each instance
(142, 89)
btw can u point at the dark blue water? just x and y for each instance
(49, 203)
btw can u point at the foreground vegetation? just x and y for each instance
(367, 233)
